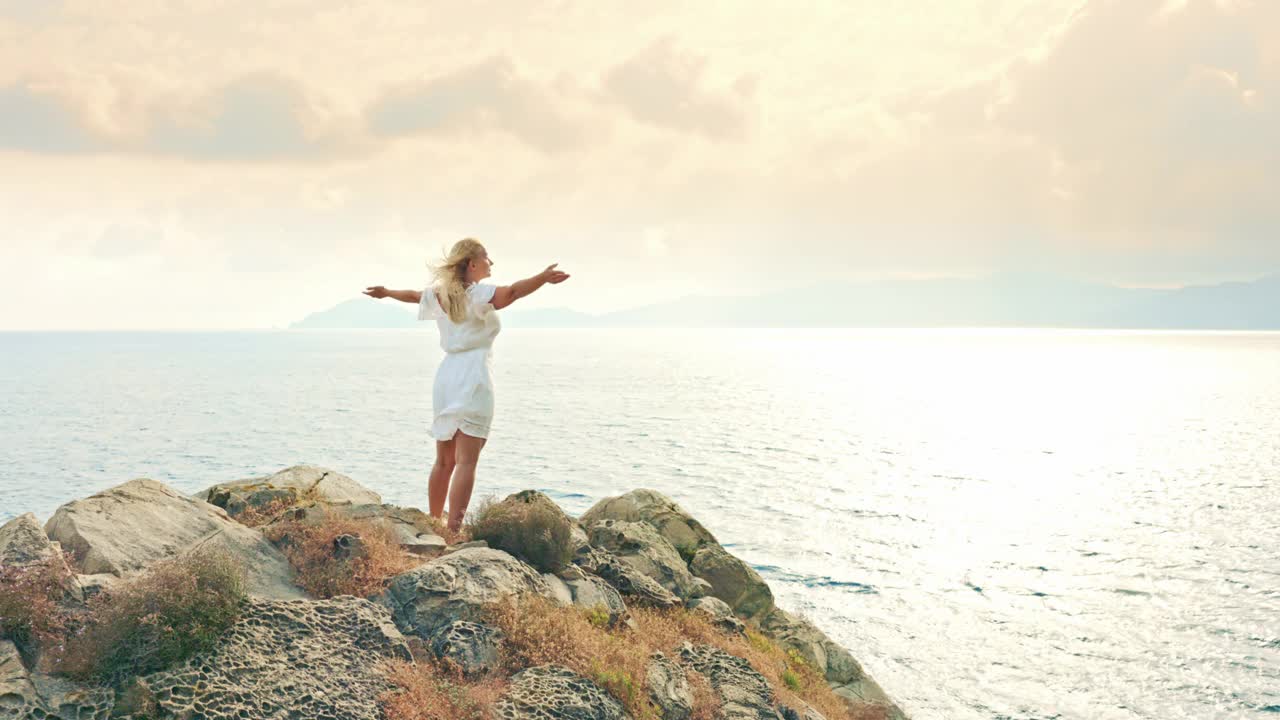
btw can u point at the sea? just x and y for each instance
(999, 524)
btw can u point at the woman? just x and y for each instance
(462, 397)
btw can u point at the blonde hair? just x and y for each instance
(451, 277)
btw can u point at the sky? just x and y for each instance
(197, 164)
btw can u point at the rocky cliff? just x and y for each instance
(289, 654)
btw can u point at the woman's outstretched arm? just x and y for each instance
(409, 296)
(508, 294)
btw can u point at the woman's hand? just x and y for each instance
(554, 276)
(377, 292)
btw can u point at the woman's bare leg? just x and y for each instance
(438, 485)
(467, 454)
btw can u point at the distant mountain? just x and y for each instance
(361, 312)
(1007, 300)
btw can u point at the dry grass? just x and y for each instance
(310, 549)
(259, 516)
(533, 532)
(538, 631)
(30, 613)
(705, 702)
(429, 690)
(791, 678)
(178, 608)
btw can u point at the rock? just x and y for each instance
(720, 613)
(806, 712)
(24, 544)
(553, 692)
(669, 688)
(466, 546)
(641, 546)
(684, 533)
(624, 578)
(456, 587)
(307, 482)
(257, 502)
(94, 584)
(839, 667)
(733, 581)
(473, 647)
(744, 693)
(287, 658)
(590, 592)
(559, 590)
(859, 695)
(26, 695)
(349, 547)
(126, 528)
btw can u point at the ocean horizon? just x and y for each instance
(998, 523)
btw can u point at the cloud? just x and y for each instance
(120, 241)
(35, 120)
(1158, 114)
(259, 117)
(1142, 134)
(493, 95)
(667, 87)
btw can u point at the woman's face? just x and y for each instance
(480, 267)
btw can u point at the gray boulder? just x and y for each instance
(641, 546)
(744, 693)
(684, 533)
(559, 589)
(591, 592)
(472, 647)
(25, 695)
(457, 586)
(124, 529)
(554, 692)
(465, 546)
(625, 579)
(839, 667)
(669, 687)
(733, 581)
(285, 659)
(719, 612)
(299, 483)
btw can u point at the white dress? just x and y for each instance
(462, 397)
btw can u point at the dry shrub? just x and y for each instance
(259, 516)
(430, 690)
(538, 631)
(178, 608)
(310, 549)
(30, 614)
(533, 532)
